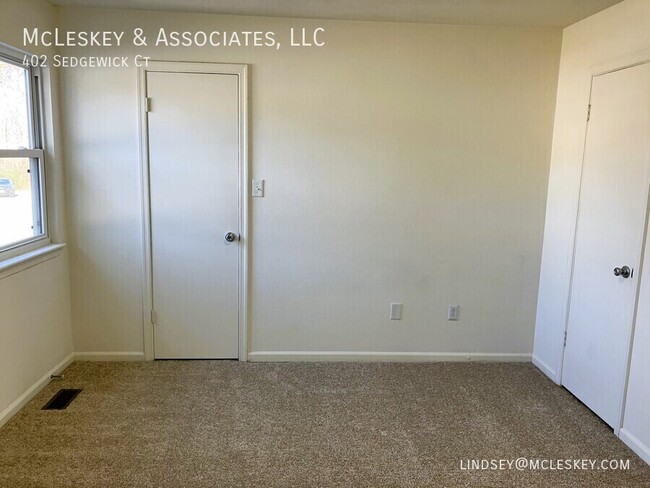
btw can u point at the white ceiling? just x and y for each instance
(542, 13)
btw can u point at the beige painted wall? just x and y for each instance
(617, 36)
(35, 330)
(403, 162)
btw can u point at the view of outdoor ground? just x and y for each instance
(16, 217)
(15, 206)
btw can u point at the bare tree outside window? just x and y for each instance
(21, 155)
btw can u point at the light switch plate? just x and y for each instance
(396, 311)
(258, 188)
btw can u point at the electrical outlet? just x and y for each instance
(396, 311)
(452, 312)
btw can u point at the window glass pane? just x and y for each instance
(18, 221)
(14, 107)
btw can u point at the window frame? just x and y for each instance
(35, 154)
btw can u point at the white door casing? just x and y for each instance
(194, 154)
(610, 233)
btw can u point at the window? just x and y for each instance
(22, 202)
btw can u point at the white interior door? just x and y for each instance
(610, 232)
(193, 131)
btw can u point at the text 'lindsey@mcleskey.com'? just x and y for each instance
(538, 464)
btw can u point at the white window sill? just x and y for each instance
(29, 259)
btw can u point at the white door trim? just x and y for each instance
(637, 59)
(241, 71)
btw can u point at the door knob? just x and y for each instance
(230, 237)
(625, 272)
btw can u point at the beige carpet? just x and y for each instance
(222, 424)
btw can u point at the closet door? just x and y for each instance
(609, 241)
(193, 127)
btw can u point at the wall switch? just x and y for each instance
(452, 312)
(396, 311)
(258, 188)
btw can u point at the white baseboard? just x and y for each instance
(635, 444)
(33, 390)
(109, 356)
(546, 369)
(296, 356)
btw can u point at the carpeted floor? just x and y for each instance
(220, 424)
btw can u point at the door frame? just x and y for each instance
(627, 62)
(241, 71)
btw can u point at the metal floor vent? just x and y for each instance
(62, 399)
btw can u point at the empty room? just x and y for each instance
(324, 243)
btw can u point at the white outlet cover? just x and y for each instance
(452, 312)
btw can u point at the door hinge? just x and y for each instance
(147, 104)
(564, 344)
(153, 317)
(588, 112)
